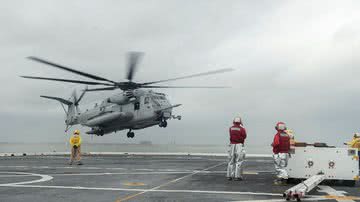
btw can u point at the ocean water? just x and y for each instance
(100, 147)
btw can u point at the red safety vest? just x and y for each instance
(237, 134)
(281, 143)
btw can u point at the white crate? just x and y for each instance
(335, 163)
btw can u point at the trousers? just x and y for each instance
(236, 159)
(281, 162)
(75, 154)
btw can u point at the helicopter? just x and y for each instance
(136, 107)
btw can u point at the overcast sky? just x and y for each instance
(295, 61)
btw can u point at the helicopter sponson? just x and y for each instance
(108, 117)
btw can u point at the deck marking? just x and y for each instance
(282, 200)
(132, 173)
(139, 190)
(337, 195)
(43, 178)
(167, 183)
(155, 170)
(148, 173)
(342, 198)
(134, 184)
(3, 176)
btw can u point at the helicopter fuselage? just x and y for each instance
(128, 110)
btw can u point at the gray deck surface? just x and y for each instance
(143, 178)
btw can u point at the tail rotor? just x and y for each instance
(72, 110)
(76, 100)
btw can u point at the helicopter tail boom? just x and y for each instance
(71, 117)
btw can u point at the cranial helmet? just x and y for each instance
(280, 126)
(237, 120)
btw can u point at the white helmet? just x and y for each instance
(237, 120)
(280, 126)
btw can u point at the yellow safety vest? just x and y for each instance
(75, 140)
(355, 143)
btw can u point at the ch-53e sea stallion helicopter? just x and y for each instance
(132, 109)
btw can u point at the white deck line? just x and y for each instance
(132, 153)
(143, 190)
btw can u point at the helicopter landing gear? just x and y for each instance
(130, 134)
(100, 132)
(163, 124)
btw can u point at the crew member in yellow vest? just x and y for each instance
(292, 140)
(292, 137)
(75, 142)
(355, 143)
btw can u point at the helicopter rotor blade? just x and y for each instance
(67, 80)
(192, 76)
(101, 89)
(63, 101)
(70, 69)
(133, 60)
(184, 87)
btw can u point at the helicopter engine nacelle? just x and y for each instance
(126, 97)
(119, 99)
(138, 93)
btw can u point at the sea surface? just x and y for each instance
(102, 147)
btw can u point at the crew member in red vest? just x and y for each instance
(237, 150)
(281, 149)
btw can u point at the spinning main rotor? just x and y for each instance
(133, 60)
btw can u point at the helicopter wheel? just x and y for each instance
(130, 134)
(163, 124)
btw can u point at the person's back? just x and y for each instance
(238, 135)
(281, 149)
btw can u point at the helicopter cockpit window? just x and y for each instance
(147, 100)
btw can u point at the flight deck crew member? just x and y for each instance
(292, 137)
(355, 143)
(281, 149)
(237, 150)
(75, 142)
